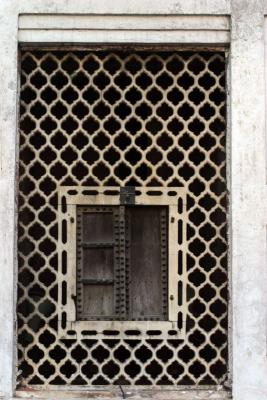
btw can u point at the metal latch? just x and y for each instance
(127, 195)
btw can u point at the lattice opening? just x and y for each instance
(116, 118)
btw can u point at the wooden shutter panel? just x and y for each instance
(122, 263)
(147, 262)
(97, 250)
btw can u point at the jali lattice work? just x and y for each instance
(122, 118)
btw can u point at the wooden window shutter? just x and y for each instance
(122, 263)
(97, 263)
(147, 262)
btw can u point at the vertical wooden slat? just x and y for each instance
(122, 267)
(117, 272)
(164, 258)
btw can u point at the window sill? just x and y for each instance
(125, 392)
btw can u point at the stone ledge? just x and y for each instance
(123, 393)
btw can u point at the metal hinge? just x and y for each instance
(127, 195)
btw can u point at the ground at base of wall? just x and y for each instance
(120, 393)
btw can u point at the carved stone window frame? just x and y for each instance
(70, 197)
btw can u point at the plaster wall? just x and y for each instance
(247, 164)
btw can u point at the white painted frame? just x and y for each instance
(247, 168)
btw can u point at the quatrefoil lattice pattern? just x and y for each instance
(116, 118)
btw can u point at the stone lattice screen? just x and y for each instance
(116, 118)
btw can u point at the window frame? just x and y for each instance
(70, 197)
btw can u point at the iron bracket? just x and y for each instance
(127, 195)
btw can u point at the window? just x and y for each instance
(121, 275)
(121, 256)
(93, 122)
